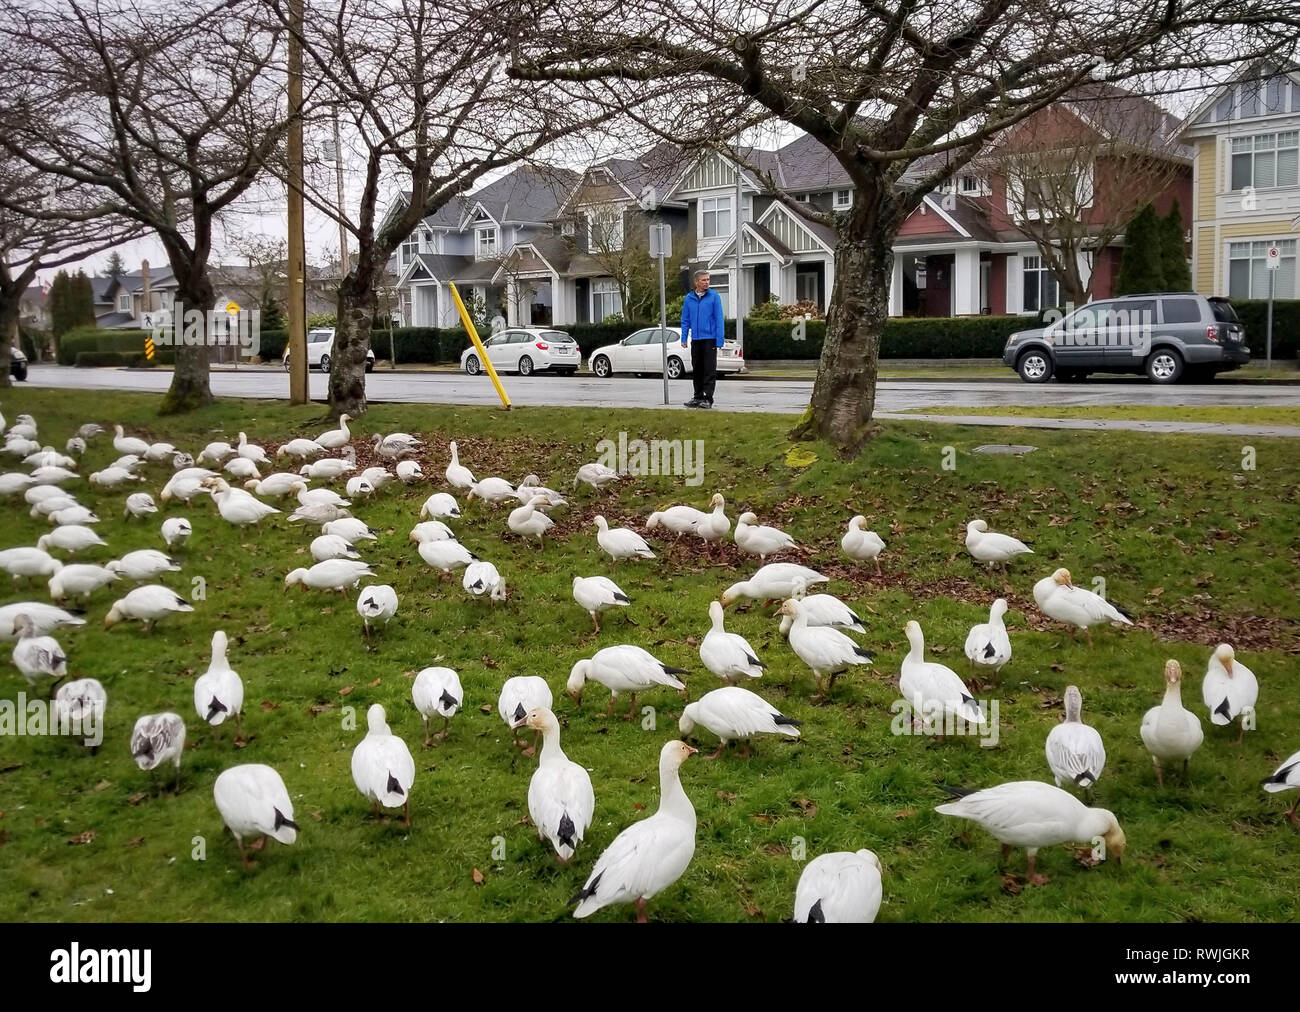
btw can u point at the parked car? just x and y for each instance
(642, 352)
(17, 364)
(320, 346)
(525, 350)
(1162, 334)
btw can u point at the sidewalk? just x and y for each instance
(1093, 425)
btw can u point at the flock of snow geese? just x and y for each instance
(651, 854)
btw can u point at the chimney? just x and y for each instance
(146, 296)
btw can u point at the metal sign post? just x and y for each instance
(1274, 259)
(661, 244)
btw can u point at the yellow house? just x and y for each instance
(1246, 184)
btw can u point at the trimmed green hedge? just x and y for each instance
(100, 359)
(128, 344)
(1253, 314)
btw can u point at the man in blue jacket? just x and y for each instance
(702, 326)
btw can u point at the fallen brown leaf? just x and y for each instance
(136, 798)
(638, 806)
(268, 706)
(83, 837)
(727, 796)
(103, 785)
(905, 813)
(478, 877)
(805, 806)
(1010, 884)
(374, 683)
(485, 708)
(346, 690)
(135, 841)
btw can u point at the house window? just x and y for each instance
(485, 242)
(715, 217)
(607, 230)
(843, 199)
(165, 300)
(408, 249)
(431, 242)
(568, 228)
(124, 302)
(1042, 290)
(606, 300)
(1248, 270)
(1265, 160)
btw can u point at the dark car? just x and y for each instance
(17, 364)
(1163, 334)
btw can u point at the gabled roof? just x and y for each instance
(433, 267)
(115, 321)
(762, 236)
(1262, 69)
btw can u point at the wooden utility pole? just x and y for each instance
(297, 279)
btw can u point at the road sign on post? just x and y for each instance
(661, 245)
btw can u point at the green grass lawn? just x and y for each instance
(1223, 415)
(1197, 548)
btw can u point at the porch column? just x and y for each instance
(966, 283)
(896, 286)
(512, 305)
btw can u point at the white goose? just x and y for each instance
(650, 855)
(235, 505)
(529, 521)
(408, 472)
(140, 504)
(219, 691)
(482, 579)
(1286, 778)
(159, 738)
(822, 610)
(760, 540)
(359, 487)
(321, 496)
(989, 547)
(1169, 731)
(251, 451)
(331, 546)
(530, 485)
(396, 445)
(382, 767)
(1230, 689)
(35, 492)
(73, 516)
(727, 655)
(735, 714)
(216, 454)
(301, 449)
(29, 563)
(561, 801)
(318, 513)
(934, 690)
(143, 565)
(381, 476)
(842, 887)
(987, 644)
(376, 604)
(1060, 599)
(176, 531)
(431, 530)
(446, 556)
(334, 439)
(253, 801)
(1075, 753)
(492, 490)
(621, 542)
(336, 575)
(351, 528)
(519, 695)
(123, 443)
(715, 525)
(242, 468)
(146, 604)
(185, 484)
(14, 482)
(439, 505)
(327, 468)
(79, 581)
(596, 594)
(276, 485)
(596, 475)
(37, 656)
(861, 544)
(775, 581)
(1031, 814)
(623, 668)
(72, 539)
(45, 618)
(678, 519)
(437, 692)
(825, 650)
(160, 453)
(53, 504)
(458, 475)
(80, 704)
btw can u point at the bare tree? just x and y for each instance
(261, 277)
(169, 111)
(880, 85)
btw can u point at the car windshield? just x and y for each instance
(1223, 311)
(557, 337)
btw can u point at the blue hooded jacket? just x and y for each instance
(702, 317)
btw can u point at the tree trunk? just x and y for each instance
(8, 332)
(356, 313)
(190, 387)
(844, 395)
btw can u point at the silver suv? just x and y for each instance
(1162, 334)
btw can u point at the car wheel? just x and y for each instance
(1164, 365)
(324, 363)
(600, 367)
(525, 366)
(19, 371)
(473, 366)
(675, 369)
(370, 365)
(1035, 367)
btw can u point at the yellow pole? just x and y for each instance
(473, 336)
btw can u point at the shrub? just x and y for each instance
(769, 310)
(88, 359)
(322, 320)
(1253, 314)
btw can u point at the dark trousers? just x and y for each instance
(704, 368)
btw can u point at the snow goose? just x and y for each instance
(48, 456)
(760, 540)
(481, 579)
(1230, 690)
(79, 581)
(143, 565)
(457, 474)
(274, 486)
(735, 714)
(316, 496)
(861, 544)
(251, 451)
(775, 581)
(112, 477)
(176, 531)
(623, 668)
(842, 887)
(44, 618)
(15, 482)
(79, 706)
(140, 504)
(123, 443)
(318, 513)
(253, 801)
(1075, 753)
(1286, 778)
(519, 695)
(235, 505)
(333, 574)
(242, 469)
(146, 604)
(431, 530)
(180, 461)
(159, 738)
(219, 691)
(934, 690)
(377, 476)
(597, 594)
(130, 463)
(987, 644)
(52, 504)
(90, 430)
(1031, 814)
(825, 650)
(715, 525)
(408, 472)
(351, 528)
(382, 767)
(561, 801)
(37, 656)
(72, 539)
(621, 542)
(395, 446)
(185, 484)
(1169, 731)
(359, 486)
(436, 692)
(1060, 599)
(989, 547)
(21, 447)
(446, 555)
(72, 516)
(596, 475)
(531, 485)
(331, 546)
(492, 490)
(439, 505)
(327, 468)
(822, 610)
(35, 493)
(160, 453)
(28, 563)
(375, 604)
(334, 439)
(300, 449)
(216, 454)
(678, 519)
(727, 655)
(528, 520)
(650, 855)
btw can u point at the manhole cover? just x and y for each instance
(1005, 448)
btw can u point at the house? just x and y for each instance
(1246, 177)
(121, 299)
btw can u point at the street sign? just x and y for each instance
(232, 308)
(661, 241)
(1274, 258)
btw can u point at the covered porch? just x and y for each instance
(948, 280)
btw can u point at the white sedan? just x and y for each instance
(642, 352)
(525, 350)
(320, 346)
